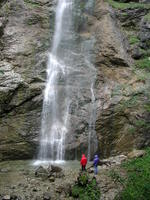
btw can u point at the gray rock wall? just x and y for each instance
(26, 29)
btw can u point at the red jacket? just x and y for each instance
(83, 160)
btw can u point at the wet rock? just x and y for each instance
(60, 174)
(64, 189)
(21, 185)
(52, 179)
(13, 187)
(41, 172)
(59, 189)
(38, 198)
(34, 189)
(51, 171)
(67, 188)
(15, 197)
(136, 154)
(55, 168)
(136, 53)
(5, 170)
(6, 197)
(144, 34)
(46, 196)
(90, 170)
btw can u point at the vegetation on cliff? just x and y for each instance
(122, 5)
(137, 186)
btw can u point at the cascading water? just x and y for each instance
(54, 118)
(69, 75)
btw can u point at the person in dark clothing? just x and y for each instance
(83, 162)
(95, 163)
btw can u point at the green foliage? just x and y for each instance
(120, 6)
(133, 40)
(116, 177)
(147, 107)
(138, 182)
(32, 3)
(132, 130)
(145, 53)
(131, 102)
(83, 179)
(76, 191)
(124, 14)
(140, 123)
(85, 189)
(143, 63)
(116, 91)
(147, 17)
(1, 72)
(82, 5)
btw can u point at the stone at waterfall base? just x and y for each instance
(51, 172)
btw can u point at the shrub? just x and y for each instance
(86, 189)
(120, 6)
(133, 40)
(143, 63)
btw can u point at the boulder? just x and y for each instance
(50, 172)
(55, 169)
(111, 46)
(46, 196)
(136, 153)
(52, 179)
(41, 172)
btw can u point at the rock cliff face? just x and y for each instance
(24, 38)
(122, 90)
(124, 115)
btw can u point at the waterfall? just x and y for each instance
(54, 119)
(69, 76)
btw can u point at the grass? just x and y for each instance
(132, 130)
(140, 123)
(116, 177)
(133, 40)
(143, 63)
(131, 102)
(147, 107)
(145, 53)
(121, 6)
(138, 182)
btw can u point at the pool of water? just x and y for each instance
(12, 172)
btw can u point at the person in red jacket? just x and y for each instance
(83, 162)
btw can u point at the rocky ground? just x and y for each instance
(23, 181)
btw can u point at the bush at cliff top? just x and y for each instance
(138, 182)
(120, 5)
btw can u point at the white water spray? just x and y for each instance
(69, 76)
(54, 118)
